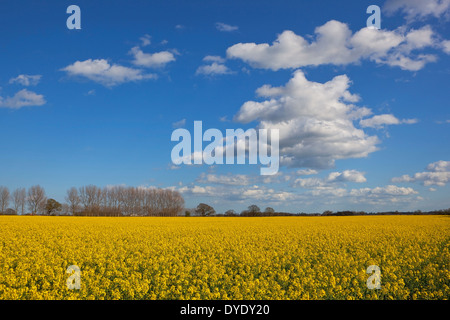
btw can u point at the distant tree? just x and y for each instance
(205, 210)
(73, 200)
(65, 209)
(187, 213)
(254, 210)
(327, 213)
(10, 212)
(4, 199)
(230, 213)
(19, 197)
(90, 197)
(52, 206)
(36, 199)
(269, 210)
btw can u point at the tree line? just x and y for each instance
(138, 201)
(253, 210)
(94, 201)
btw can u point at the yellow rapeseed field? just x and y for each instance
(225, 258)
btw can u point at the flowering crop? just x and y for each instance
(225, 257)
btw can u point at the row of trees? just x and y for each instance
(34, 199)
(134, 201)
(204, 209)
(121, 200)
(94, 201)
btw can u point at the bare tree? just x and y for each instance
(73, 200)
(91, 198)
(36, 199)
(136, 201)
(4, 199)
(19, 198)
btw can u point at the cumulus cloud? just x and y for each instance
(232, 180)
(418, 9)
(306, 172)
(438, 174)
(101, 71)
(23, 98)
(335, 44)
(331, 181)
(225, 27)
(235, 193)
(383, 195)
(347, 176)
(308, 183)
(151, 60)
(389, 190)
(439, 166)
(26, 80)
(216, 66)
(213, 69)
(315, 121)
(240, 188)
(384, 119)
(262, 194)
(217, 59)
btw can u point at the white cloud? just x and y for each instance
(389, 190)
(438, 174)
(151, 60)
(347, 176)
(315, 121)
(306, 172)
(331, 181)
(145, 40)
(418, 8)
(383, 195)
(195, 190)
(235, 193)
(225, 27)
(101, 71)
(23, 98)
(26, 80)
(246, 189)
(439, 166)
(446, 46)
(308, 183)
(213, 69)
(217, 59)
(233, 180)
(384, 119)
(179, 124)
(335, 44)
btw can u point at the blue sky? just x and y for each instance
(363, 114)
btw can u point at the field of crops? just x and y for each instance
(225, 258)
